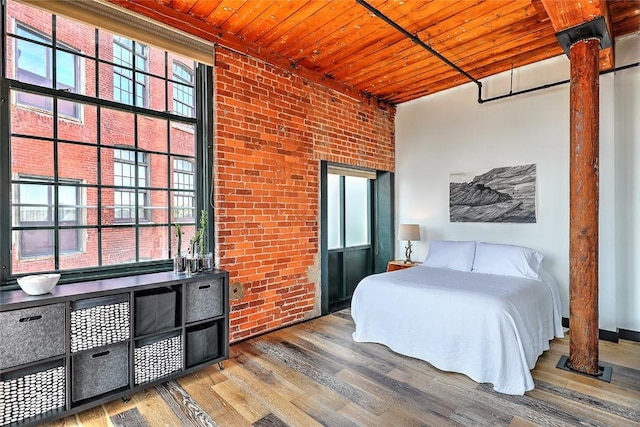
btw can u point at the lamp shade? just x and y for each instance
(409, 232)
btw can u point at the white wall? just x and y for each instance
(450, 132)
(627, 177)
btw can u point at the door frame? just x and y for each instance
(382, 221)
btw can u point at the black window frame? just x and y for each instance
(201, 123)
(47, 226)
(182, 88)
(129, 71)
(183, 191)
(46, 43)
(135, 190)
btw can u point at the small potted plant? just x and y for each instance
(205, 257)
(192, 262)
(179, 260)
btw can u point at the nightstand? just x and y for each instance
(399, 265)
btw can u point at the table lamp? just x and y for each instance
(408, 232)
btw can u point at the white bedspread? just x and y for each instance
(490, 328)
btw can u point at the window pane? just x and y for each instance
(356, 210)
(38, 102)
(68, 201)
(183, 204)
(117, 127)
(183, 139)
(152, 133)
(105, 91)
(78, 163)
(89, 206)
(66, 71)
(157, 170)
(44, 103)
(69, 241)
(124, 205)
(154, 90)
(82, 130)
(156, 209)
(333, 212)
(182, 90)
(34, 204)
(183, 201)
(67, 109)
(118, 245)
(36, 243)
(22, 118)
(34, 60)
(31, 157)
(154, 243)
(142, 176)
(87, 254)
(68, 80)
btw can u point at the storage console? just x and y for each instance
(88, 343)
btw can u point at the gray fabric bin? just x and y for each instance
(202, 344)
(204, 299)
(99, 371)
(155, 312)
(31, 334)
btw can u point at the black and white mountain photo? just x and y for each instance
(506, 194)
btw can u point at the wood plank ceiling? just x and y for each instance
(345, 46)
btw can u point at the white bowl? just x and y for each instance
(38, 284)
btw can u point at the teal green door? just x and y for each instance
(351, 247)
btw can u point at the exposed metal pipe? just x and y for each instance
(437, 54)
(548, 85)
(422, 44)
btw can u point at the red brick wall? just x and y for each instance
(272, 130)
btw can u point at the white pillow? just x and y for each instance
(507, 260)
(450, 254)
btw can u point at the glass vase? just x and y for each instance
(179, 264)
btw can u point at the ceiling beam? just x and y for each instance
(205, 31)
(565, 14)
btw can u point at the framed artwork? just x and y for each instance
(506, 194)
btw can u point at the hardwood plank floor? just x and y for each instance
(314, 374)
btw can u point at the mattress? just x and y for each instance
(491, 328)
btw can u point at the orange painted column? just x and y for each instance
(583, 217)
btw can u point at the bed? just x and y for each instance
(488, 315)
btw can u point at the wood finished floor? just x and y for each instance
(314, 374)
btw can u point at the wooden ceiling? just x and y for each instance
(345, 46)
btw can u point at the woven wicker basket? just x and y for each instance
(99, 321)
(32, 394)
(158, 359)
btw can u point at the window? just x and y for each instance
(99, 196)
(184, 194)
(182, 90)
(36, 218)
(127, 163)
(347, 226)
(348, 208)
(133, 56)
(34, 65)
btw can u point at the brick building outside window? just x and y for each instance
(103, 147)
